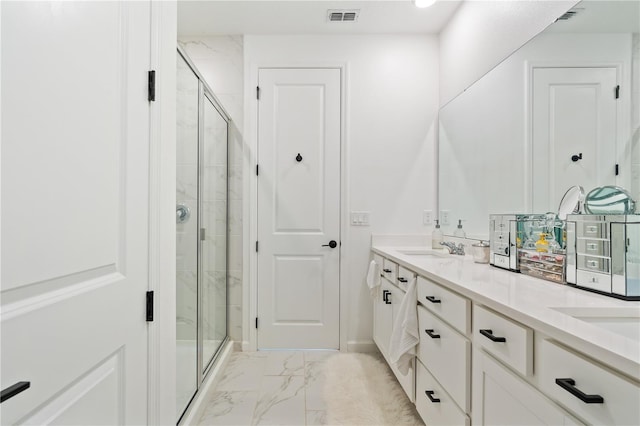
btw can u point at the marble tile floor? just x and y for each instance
(269, 388)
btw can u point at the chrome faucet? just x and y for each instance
(453, 249)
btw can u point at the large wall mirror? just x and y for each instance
(563, 110)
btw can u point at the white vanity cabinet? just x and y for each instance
(500, 397)
(586, 387)
(444, 355)
(478, 363)
(382, 318)
(385, 312)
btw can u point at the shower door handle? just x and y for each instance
(183, 213)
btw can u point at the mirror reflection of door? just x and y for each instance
(575, 131)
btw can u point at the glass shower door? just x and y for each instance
(214, 219)
(187, 374)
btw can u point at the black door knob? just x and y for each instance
(331, 244)
(575, 158)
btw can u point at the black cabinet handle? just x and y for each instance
(433, 299)
(13, 390)
(489, 335)
(385, 296)
(402, 279)
(388, 271)
(570, 386)
(430, 333)
(430, 396)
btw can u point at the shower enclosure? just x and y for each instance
(201, 227)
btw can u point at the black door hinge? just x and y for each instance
(617, 169)
(618, 92)
(256, 246)
(150, 306)
(152, 86)
(256, 322)
(257, 170)
(258, 92)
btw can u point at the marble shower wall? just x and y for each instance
(220, 60)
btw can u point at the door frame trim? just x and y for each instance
(250, 203)
(622, 122)
(161, 374)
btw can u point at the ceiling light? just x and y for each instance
(423, 3)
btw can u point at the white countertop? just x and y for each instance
(530, 301)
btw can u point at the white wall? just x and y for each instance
(392, 101)
(483, 33)
(221, 63)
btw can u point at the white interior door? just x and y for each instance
(574, 112)
(75, 148)
(298, 208)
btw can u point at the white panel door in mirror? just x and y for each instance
(574, 136)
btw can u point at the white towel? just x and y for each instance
(405, 335)
(373, 278)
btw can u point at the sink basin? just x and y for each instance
(423, 253)
(620, 320)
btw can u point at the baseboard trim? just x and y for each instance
(366, 346)
(197, 405)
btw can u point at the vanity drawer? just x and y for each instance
(451, 307)
(593, 230)
(591, 247)
(448, 355)
(404, 277)
(510, 342)
(433, 404)
(594, 280)
(581, 379)
(380, 262)
(594, 263)
(390, 270)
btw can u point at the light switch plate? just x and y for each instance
(360, 218)
(444, 217)
(427, 217)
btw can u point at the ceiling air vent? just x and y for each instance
(343, 15)
(569, 14)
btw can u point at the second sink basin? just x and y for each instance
(423, 253)
(620, 320)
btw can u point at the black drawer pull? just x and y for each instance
(489, 335)
(385, 296)
(430, 333)
(570, 386)
(433, 299)
(431, 398)
(402, 279)
(13, 390)
(388, 271)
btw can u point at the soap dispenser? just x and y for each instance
(459, 232)
(436, 236)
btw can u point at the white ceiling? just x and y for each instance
(216, 17)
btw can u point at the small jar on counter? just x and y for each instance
(481, 252)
